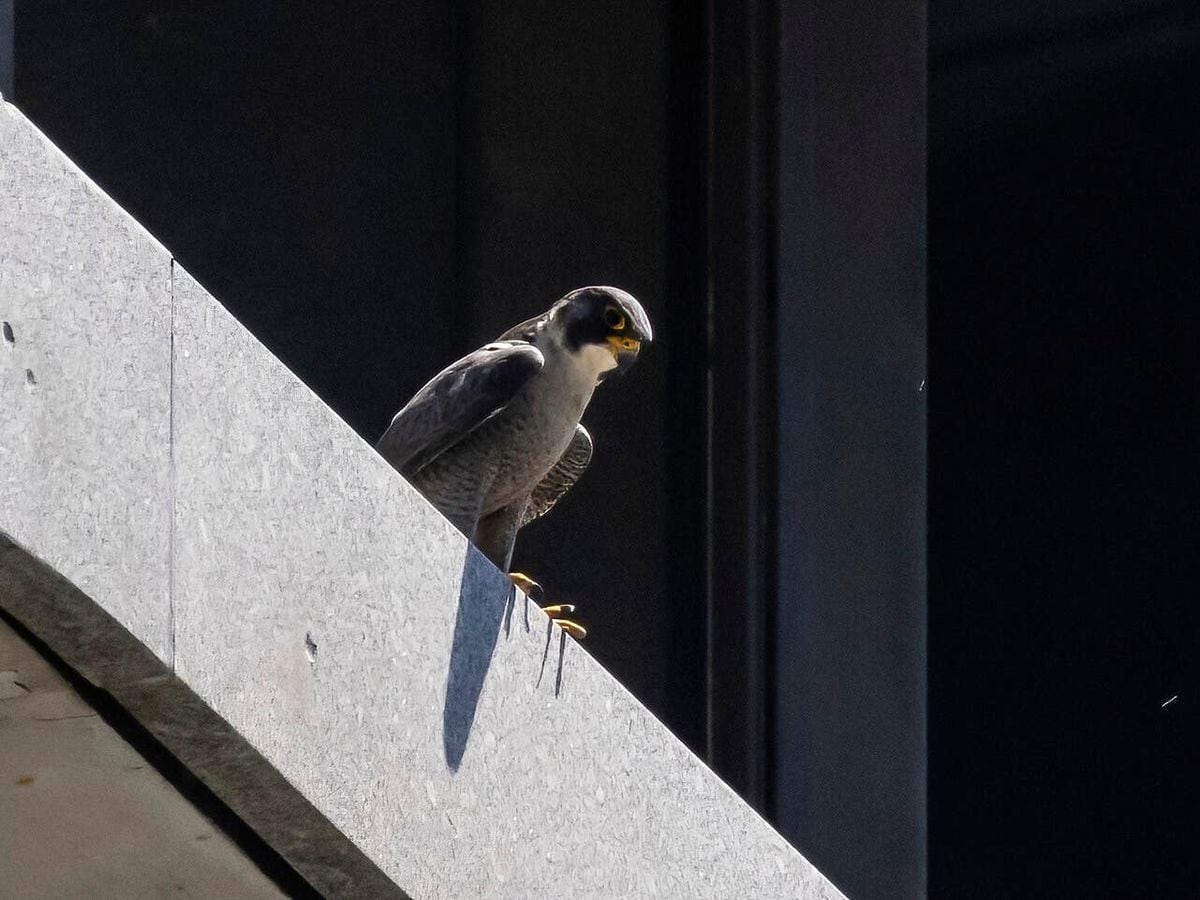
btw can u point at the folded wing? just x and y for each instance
(456, 401)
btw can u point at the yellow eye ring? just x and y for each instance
(614, 319)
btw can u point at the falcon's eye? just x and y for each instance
(614, 319)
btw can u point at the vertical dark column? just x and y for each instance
(7, 42)
(1064, 248)
(685, 327)
(740, 511)
(850, 704)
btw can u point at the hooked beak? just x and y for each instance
(624, 351)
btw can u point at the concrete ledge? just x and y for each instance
(85, 809)
(95, 646)
(324, 610)
(84, 383)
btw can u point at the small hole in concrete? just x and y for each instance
(310, 648)
(29, 379)
(9, 337)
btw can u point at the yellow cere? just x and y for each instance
(623, 343)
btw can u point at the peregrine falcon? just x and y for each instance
(494, 439)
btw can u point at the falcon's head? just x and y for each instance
(605, 324)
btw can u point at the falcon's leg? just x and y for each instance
(496, 533)
(531, 588)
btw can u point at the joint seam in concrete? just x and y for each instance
(171, 477)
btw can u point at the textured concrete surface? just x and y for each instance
(306, 852)
(444, 724)
(85, 815)
(84, 383)
(341, 625)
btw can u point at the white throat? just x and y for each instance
(595, 360)
(577, 371)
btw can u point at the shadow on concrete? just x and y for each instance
(484, 598)
(508, 613)
(551, 630)
(201, 755)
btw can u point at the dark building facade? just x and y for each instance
(378, 189)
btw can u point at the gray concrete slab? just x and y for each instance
(341, 625)
(302, 847)
(84, 383)
(85, 815)
(318, 604)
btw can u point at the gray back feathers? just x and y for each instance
(456, 401)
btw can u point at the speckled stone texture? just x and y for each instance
(84, 383)
(340, 624)
(93, 645)
(345, 629)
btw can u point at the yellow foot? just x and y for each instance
(531, 588)
(534, 592)
(556, 612)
